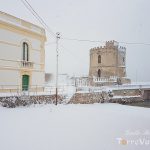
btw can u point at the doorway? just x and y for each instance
(99, 73)
(25, 82)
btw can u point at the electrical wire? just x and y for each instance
(81, 40)
(97, 41)
(40, 19)
(74, 56)
(37, 16)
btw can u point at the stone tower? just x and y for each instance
(109, 60)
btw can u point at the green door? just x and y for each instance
(25, 82)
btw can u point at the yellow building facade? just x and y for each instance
(22, 54)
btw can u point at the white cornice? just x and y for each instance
(21, 23)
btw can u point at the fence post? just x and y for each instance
(36, 89)
(50, 90)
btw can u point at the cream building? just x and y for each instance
(22, 54)
(108, 61)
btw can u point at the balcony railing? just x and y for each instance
(26, 64)
(105, 79)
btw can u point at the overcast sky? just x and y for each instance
(120, 20)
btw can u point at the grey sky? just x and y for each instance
(121, 20)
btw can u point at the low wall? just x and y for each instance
(89, 98)
(117, 96)
(126, 100)
(16, 101)
(104, 97)
(146, 95)
(128, 92)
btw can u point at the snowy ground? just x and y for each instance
(75, 127)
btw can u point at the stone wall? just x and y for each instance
(146, 95)
(89, 98)
(116, 96)
(127, 92)
(15, 101)
(106, 97)
(126, 100)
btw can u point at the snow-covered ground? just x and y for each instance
(75, 127)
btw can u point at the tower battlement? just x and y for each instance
(109, 44)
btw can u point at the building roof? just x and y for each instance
(20, 23)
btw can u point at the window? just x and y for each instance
(123, 59)
(99, 58)
(25, 51)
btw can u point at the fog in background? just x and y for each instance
(103, 20)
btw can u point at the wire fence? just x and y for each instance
(35, 90)
(68, 90)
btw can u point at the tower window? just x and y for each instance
(123, 59)
(99, 58)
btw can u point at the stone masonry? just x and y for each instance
(109, 60)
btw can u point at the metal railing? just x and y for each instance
(34, 90)
(131, 86)
(26, 64)
(67, 90)
(105, 79)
